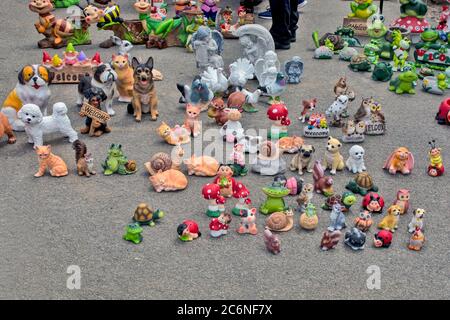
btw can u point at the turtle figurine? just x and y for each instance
(347, 199)
(362, 184)
(133, 233)
(347, 53)
(280, 221)
(382, 71)
(144, 215)
(360, 62)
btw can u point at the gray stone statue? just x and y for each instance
(208, 47)
(255, 41)
(293, 69)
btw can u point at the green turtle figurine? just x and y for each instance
(362, 184)
(404, 83)
(275, 199)
(346, 200)
(133, 233)
(144, 215)
(382, 71)
(360, 62)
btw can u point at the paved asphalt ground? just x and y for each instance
(48, 224)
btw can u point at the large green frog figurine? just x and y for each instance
(362, 9)
(275, 199)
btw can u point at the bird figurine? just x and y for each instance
(240, 72)
(251, 99)
(215, 80)
(197, 93)
(276, 88)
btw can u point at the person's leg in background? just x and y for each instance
(293, 20)
(281, 22)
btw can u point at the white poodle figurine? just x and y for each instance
(355, 163)
(36, 125)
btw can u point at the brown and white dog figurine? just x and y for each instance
(308, 107)
(144, 91)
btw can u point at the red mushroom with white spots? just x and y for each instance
(211, 192)
(413, 24)
(279, 114)
(241, 193)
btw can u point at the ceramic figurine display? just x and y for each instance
(202, 166)
(337, 218)
(188, 230)
(241, 193)
(294, 70)
(401, 160)
(435, 84)
(133, 233)
(281, 221)
(307, 107)
(224, 179)
(215, 80)
(31, 88)
(346, 200)
(362, 9)
(197, 93)
(417, 240)
(404, 83)
(382, 71)
(337, 110)
(373, 202)
(342, 88)
(309, 219)
(323, 52)
(371, 113)
(144, 215)
(125, 78)
(443, 114)
(267, 68)
(279, 115)
(348, 35)
(248, 222)
(237, 158)
(302, 161)
(333, 159)
(255, 41)
(402, 200)
(433, 49)
(6, 129)
(355, 162)
(96, 123)
(48, 161)
(417, 220)
(37, 125)
(117, 162)
(305, 196)
(353, 132)
(232, 131)
(174, 136)
(355, 239)
(347, 53)
(272, 242)
(158, 163)
(322, 184)
(360, 62)
(275, 194)
(362, 184)
(192, 122)
(363, 221)
(400, 46)
(241, 71)
(436, 166)
(330, 240)
(382, 239)
(227, 22)
(208, 47)
(209, 8)
(83, 159)
(317, 126)
(269, 161)
(58, 32)
(412, 16)
(290, 144)
(211, 192)
(219, 226)
(216, 111)
(169, 180)
(390, 221)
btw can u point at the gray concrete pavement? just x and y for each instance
(48, 224)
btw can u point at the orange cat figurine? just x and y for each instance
(5, 128)
(192, 120)
(125, 80)
(56, 166)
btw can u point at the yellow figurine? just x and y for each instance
(436, 167)
(362, 9)
(390, 221)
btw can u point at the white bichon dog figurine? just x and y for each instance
(355, 163)
(36, 125)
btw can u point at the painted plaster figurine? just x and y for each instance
(363, 221)
(219, 226)
(360, 62)
(322, 184)
(145, 215)
(208, 47)
(353, 132)
(317, 126)
(444, 19)
(294, 70)
(241, 193)
(224, 179)
(241, 71)
(417, 240)
(6, 129)
(434, 84)
(275, 199)
(330, 240)
(232, 131)
(355, 162)
(401, 160)
(174, 136)
(188, 230)
(215, 80)
(362, 9)
(197, 93)
(272, 242)
(337, 218)
(192, 122)
(255, 41)
(248, 222)
(302, 161)
(362, 184)
(436, 166)
(47, 160)
(279, 115)
(382, 71)
(333, 159)
(305, 196)
(390, 221)
(382, 239)
(443, 114)
(417, 220)
(323, 52)
(125, 80)
(117, 162)
(202, 166)
(355, 239)
(346, 200)
(83, 159)
(341, 88)
(347, 53)
(404, 83)
(267, 68)
(307, 107)
(281, 221)
(169, 180)
(237, 158)
(309, 219)
(290, 144)
(133, 233)
(94, 127)
(402, 200)
(269, 161)
(337, 110)
(373, 202)
(209, 8)
(400, 46)
(211, 192)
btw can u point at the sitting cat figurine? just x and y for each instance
(192, 120)
(125, 79)
(56, 166)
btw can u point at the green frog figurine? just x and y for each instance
(362, 9)
(133, 233)
(117, 162)
(275, 199)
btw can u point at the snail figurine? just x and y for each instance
(280, 221)
(160, 162)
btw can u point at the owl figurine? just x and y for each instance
(360, 127)
(349, 127)
(364, 111)
(376, 115)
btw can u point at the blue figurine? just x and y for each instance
(294, 70)
(198, 92)
(337, 218)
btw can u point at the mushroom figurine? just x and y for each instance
(412, 17)
(279, 115)
(241, 193)
(211, 192)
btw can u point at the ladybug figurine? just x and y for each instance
(382, 239)
(373, 202)
(188, 230)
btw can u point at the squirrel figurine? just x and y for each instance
(84, 160)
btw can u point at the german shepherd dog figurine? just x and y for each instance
(144, 92)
